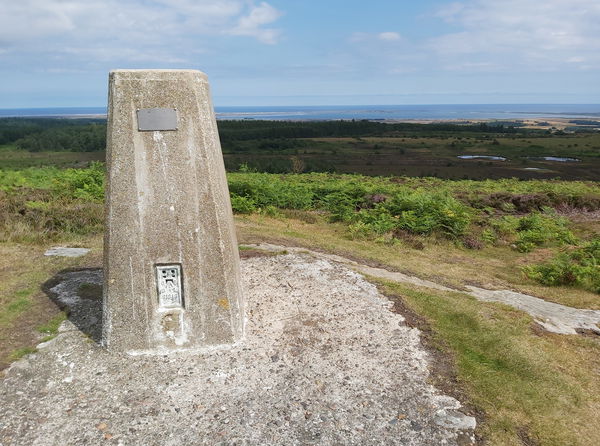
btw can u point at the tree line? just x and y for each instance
(89, 135)
(54, 134)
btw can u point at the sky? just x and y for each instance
(57, 53)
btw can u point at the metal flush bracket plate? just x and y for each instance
(170, 291)
(156, 119)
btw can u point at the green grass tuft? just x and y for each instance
(51, 327)
(20, 352)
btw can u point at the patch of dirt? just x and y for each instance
(22, 332)
(526, 439)
(539, 255)
(588, 333)
(579, 215)
(537, 329)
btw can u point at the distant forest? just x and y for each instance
(54, 134)
(89, 135)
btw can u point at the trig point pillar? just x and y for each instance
(171, 262)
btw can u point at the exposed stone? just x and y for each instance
(453, 419)
(66, 252)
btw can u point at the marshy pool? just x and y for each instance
(558, 159)
(481, 157)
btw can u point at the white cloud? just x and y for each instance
(508, 37)
(390, 36)
(250, 25)
(122, 30)
(522, 34)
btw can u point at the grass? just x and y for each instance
(20, 352)
(26, 311)
(543, 387)
(495, 267)
(578, 267)
(12, 158)
(51, 327)
(15, 305)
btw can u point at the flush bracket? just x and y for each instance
(169, 286)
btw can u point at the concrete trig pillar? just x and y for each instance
(171, 262)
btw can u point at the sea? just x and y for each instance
(371, 112)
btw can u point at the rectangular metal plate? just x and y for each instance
(152, 119)
(170, 292)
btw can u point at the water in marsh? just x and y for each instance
(481, 157)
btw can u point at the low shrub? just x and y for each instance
(32, 177)
(528, 232)
(271, 190)
(579, 267)
(342, 205)
(242, 205)
(86, 184)
(539, 229)
(379, 220)
(423, 212)
(37, 215)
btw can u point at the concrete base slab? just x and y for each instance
(324, 362)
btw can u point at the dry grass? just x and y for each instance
(528, 383)
(38, 216)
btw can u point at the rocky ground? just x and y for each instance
(325, 361)
(551, 316)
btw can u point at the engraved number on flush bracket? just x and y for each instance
(170, 291)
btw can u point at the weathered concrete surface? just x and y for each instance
(167, 202)
(551, 316)
(66, 252)
(324, 362)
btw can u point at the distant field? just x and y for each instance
(369, 148)
(12, 158)
(433, 156)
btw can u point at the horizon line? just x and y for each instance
(330, 105)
